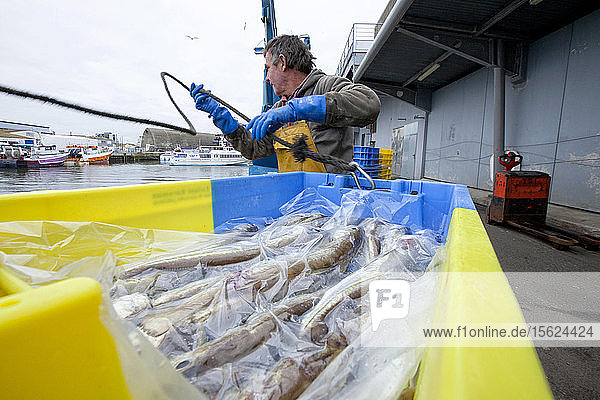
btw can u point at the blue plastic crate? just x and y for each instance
(367, 160)
(365, 151)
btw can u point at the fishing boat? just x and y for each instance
(209, 156)
(9, 155)
(79, 155)
(41, 156)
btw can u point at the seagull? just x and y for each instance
(192, 37)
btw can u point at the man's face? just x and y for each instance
(276, 74)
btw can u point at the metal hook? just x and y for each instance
(371, 181)
(355, 180)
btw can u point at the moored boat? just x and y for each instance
(209, 156)
(165, 158)
(42, 156)
(79, 155)
(9, 155)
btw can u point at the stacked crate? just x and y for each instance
(385, 162)
(368, 159)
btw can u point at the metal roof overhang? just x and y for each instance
(425, 45)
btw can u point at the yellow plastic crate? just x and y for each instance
(54, 344)
(385, 155)
(385, 171)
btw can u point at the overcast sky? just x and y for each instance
(109, 54)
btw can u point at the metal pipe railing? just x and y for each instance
(387, 29)
(359, 40)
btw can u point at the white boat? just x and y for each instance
(165, 158)
(208, 156)
(41, 156)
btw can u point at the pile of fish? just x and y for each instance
(262, 311)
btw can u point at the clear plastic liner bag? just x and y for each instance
(244, 296)
(263, 309)
(382, 361)
(147, 373)
(249, 225)
(358, 205)
(24, 267)
(309, 201)
(51, 250)
(283, 372)
(240, 292)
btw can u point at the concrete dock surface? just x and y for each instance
(573, 372)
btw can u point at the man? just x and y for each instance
(319, 106)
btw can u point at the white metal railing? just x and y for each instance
(359, 41)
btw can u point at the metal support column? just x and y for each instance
(499, 106)
(420, 153)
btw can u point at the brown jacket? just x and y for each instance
(348, 105)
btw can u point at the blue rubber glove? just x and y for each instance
(220, 115)
(309, 108)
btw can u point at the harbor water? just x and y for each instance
(15, 180)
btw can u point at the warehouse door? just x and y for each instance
(404, 146)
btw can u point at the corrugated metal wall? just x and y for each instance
(395, 114)
(553, 119)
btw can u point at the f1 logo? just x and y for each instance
(389, 300)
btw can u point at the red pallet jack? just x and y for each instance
(520, 200)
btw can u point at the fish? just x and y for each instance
(282, 237)
(342, 243)
(299, 218)
(320, 218)
(182, 292)
(156, 341)
(156, 325)
(131, 304)
(391, 236)
(240, 341)
(209, 242)
(262, 276)
(245, 227)
(356, 285)
(231, 254)
(327, 254)
(243, 251)
(372, 244)
(289, 378)
(352, 286)
(138, 284)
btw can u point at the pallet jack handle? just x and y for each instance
(510, 159)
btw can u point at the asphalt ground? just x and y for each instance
(573, 372)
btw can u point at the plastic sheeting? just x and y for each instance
(266, 308)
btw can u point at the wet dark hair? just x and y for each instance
(293, 49)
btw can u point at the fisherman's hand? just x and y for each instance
(270, 121)
(220, 115)
(309, 108)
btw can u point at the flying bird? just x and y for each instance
(192, 37)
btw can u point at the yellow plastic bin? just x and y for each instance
(56, 344)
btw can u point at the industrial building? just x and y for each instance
(462, 81)
(9, 127)
(154, 139)
(24, 134)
